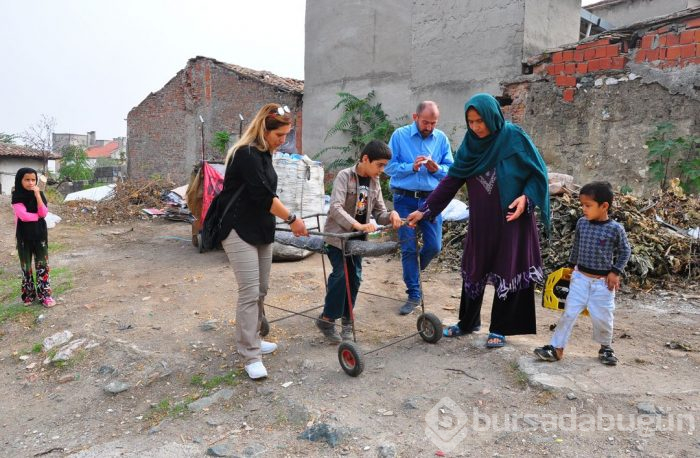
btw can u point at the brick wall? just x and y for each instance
(666, 47)
(165, 133)
(591, 106)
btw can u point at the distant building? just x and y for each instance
(620, 13)
(14, 157)
(115, 149)
(165, 130)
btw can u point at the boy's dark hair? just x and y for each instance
(600, 191)
(375, 150)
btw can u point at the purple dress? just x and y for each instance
(505, 254)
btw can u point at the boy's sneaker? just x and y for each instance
(346, 329)
(48, 302)
(328, 329)
(606, 355)
(549, 353)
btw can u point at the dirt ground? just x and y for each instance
(140, 294)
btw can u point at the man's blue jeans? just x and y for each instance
(336, 304)
(432, 243)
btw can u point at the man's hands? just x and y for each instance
(413, 218)
(426, 161)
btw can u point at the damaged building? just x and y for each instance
(591, 105)
(171, 129)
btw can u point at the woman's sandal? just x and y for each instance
(456, 331)
(500, 340)
(453, 331)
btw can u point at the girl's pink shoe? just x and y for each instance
(48, 302)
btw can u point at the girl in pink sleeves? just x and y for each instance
(29, 205)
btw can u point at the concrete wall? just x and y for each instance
(164, 131)
(626, 12)
(59, 141)
(9, 167)
(423, 49)
(548, 23)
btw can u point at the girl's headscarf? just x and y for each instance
(519, 166)
(28, 230)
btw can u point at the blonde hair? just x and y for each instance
(265, 120)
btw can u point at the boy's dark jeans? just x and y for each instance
(336, 304)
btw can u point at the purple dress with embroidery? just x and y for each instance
(505, 254)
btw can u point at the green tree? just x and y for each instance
(7, 138)
(74, 165)
(220, 142)
(361, 121)
(668, 156)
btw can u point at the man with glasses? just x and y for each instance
(421, 155)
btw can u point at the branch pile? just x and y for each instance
(125, 202)
(662, 252)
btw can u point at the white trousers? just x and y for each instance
(592, 293)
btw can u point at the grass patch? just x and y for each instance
(169, 408)
(230, 379)
(61, 280)
(520, 377)
(11, 307)
(55, 247)
(37, 348)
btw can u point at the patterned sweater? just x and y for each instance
(600, 247)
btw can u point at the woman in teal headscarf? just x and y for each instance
(506, 179)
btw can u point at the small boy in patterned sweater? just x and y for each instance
(599, 255)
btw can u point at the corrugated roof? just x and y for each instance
(263, 76)
(10, 150)
(105, 150)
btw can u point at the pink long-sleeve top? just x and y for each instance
(26, 216)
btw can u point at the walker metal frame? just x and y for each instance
(350, 356)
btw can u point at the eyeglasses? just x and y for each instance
(281, 111)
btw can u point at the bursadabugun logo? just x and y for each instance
(446, 424)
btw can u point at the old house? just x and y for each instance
(14, 157)
(114, 151)
(173, 128)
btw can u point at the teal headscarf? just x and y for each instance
(519, 166)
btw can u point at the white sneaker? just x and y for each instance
(256, 370)
(267, 347)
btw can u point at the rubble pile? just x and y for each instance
(125, 203)
(657, 228)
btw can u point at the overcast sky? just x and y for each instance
(88, 62)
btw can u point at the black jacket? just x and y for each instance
(250, 215)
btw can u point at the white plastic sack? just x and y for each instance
(96, 194)
(456, 211)
(52, 220)
(300, 188)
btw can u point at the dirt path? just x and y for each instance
(141, 294)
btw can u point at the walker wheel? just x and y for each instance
(199, 243)
(350, 359)
(429, 327)
(264, 327)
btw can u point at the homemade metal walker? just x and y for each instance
(350, 356)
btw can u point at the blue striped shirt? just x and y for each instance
(406, 145)
(600, 247)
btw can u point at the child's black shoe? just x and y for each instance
(549, 353)
(606, 355)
